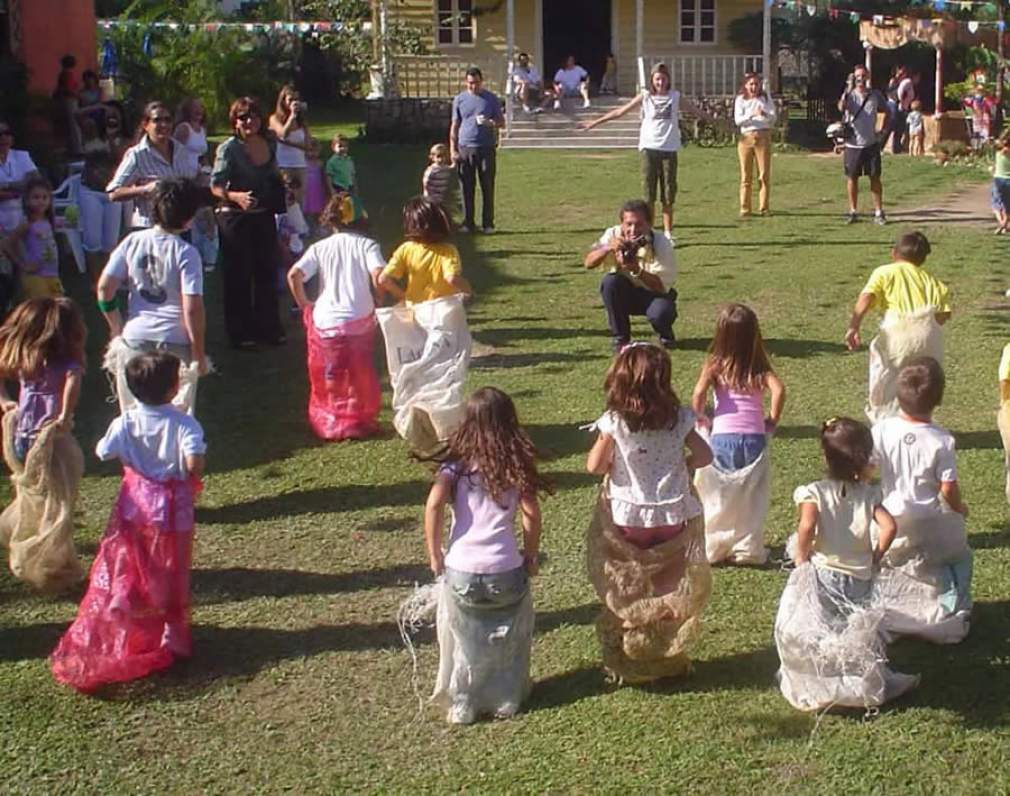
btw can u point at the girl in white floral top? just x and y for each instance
(642, 437)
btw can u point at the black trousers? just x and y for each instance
(623, 298)
(250, 254)
(477, 164)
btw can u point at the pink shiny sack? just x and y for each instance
(344, 391)
(134, 619)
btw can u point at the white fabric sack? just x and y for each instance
(736, 505)
(1003, 423)
(831, 659)
(901, 338)
(114, 363)
(428, 354)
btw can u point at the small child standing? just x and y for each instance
(739, 372)
(836, 514)
(42, 346)
(649, 525)
(736, 489)
(316, 184)
(1001, 184)
(32, 246)
(916, 130)
(440, 183)
(915, 305)
(485, 609)
(608, 83)
(918, 475)
(827, 627)
(134, 618)
(340, 171)
(427, 260)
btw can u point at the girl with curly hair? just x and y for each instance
(485, 609)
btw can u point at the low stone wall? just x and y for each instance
(407, 121)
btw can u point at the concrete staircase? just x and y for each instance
(557, 129)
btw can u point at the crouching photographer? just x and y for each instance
(643, 269)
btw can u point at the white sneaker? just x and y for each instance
(585, 103)
(557, 104)
(527, 109)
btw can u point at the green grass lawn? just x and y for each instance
(299, 680)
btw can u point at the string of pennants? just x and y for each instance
(854, 16)
(249, 27)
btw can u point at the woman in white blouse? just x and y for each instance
(288, 123)
(754, 114)
(16, 168)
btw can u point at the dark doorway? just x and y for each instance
(580, 28)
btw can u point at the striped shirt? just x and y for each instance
(142, 162)
(439, 184)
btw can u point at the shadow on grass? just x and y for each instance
(506, 335)
(27, 642)
(316, 501)
(968, 679)
(994, 539)
(798, 432)
(753, 670)
(528, 360)
(560, 440)
(978, 440)
(237, 584)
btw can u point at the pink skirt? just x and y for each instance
(344, 391)
(134, 619)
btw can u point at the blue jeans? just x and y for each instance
(736, 451)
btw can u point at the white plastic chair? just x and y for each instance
(69, 193)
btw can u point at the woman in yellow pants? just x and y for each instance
(754, 114)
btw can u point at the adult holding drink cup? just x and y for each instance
(472, 141)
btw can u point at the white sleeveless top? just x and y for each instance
(289, 157)
(660, 128)
(194, 147)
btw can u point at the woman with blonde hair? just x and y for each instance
(287, 122)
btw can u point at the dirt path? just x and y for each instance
(968, 206)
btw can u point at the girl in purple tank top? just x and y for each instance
(485, 610)
(739, 372)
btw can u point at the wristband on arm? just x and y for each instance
(108, 306)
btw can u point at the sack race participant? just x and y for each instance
(645, 544)
(134, 618)
(827, 630)
(736, 488)
(482, 598)
(427, 338)
(164, 276)
(42, 346)
(1003, 416)
(925, 579)
(915, 306)
(344, 391)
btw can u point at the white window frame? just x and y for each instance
(696, 39)
(456, 27)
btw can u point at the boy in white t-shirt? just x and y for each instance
(918, 471)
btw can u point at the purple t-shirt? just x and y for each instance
(482, 540)
(40, 249)
(41, 398)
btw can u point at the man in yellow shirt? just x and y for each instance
(915, 304)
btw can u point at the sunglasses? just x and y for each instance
(246, 117)
(161, 119)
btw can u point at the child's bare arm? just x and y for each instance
(888, 530)
(601, 455)
(12, 248)
(863, 305)
(194, 318)
(461, 284)
(778, 394)
(71, 395)
(7, 404)
(434, 514)
(700, 395)
(296, 283)
(942, 317)
(701, 453)
(805, 532)
(386, 284)
(952, 494)
(532, 525)
(195, 464)
(107, 287)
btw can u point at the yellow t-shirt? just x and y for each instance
(905, 288)
(426, 267)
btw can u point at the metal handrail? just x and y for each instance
(509, 100)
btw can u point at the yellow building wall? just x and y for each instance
(661, 33)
